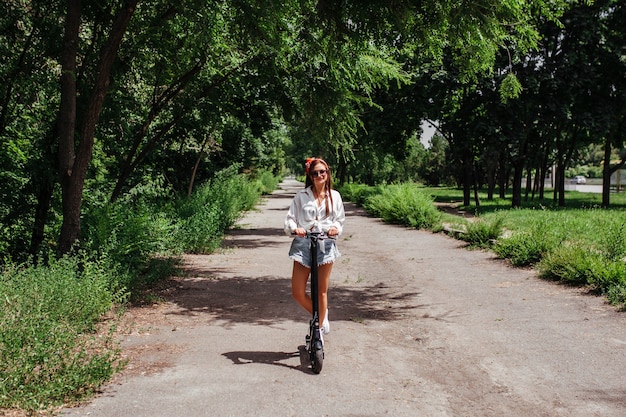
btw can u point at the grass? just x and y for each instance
(573, 199)
(579, 244)
(50, 352)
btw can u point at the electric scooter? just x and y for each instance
(314, 342)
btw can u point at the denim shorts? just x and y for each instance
(300, 251)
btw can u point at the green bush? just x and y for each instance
(608, 276)
(130, 233)
(616, 294)
(404, 204)
(483, 234)
(358, 193)
(266, 181)
(212, 209)
(614, 245)
(571, 263)
(134, 229)
(201, 231)
(575, 263)
(48, 352)
(521, 249)
(540, 234)
(613, 282)
(528, 246)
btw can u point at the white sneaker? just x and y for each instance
(326, 324)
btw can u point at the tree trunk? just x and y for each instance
(341, 168)
(467, 168)
(518, 174)
(518, 171)
(476, 197)
(560, 184)
(491, 167)
(67, 123)
(542, 172)
(608, 170)
(502, 176)
(491, 183)
(536, 183)
(606, 174)
(529, 182)
(195, 166)
(74, 159)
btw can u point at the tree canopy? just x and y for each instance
(100, 99)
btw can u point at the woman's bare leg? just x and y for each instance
(323, 282)
(299, 279)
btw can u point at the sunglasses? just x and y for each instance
(318, 173)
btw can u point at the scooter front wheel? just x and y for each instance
(317, 360)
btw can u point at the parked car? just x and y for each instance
(579, 179)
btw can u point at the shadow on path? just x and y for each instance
(267, 300)
(271, 358)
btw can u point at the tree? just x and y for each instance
(29, 92)
(612, 85)
(213, 60)
(181, 77)
(77, 129)
(561, 109)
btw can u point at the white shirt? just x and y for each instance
(306, 213)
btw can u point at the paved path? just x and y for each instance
(420, 327)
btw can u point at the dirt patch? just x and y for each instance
(454, 209)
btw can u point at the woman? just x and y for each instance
(316, 208)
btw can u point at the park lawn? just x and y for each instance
(581, 218)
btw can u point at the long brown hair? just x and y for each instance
(309, 167)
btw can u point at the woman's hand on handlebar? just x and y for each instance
(301, 232)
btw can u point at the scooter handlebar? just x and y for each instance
(319, 235)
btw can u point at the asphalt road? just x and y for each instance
(420, 327)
